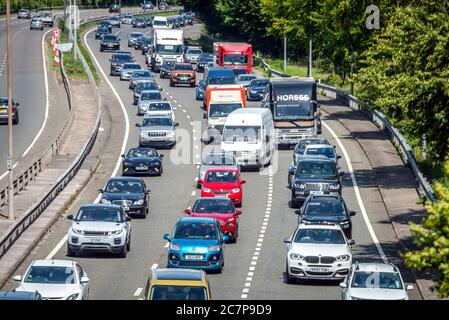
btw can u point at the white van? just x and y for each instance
(249, 134)
(160, 22)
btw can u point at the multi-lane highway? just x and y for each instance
(255, 265)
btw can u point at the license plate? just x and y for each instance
(183, 78)
(125, 208)
(96, 240)
(221, 195)
(316, 192)
(194, 257)
(142, 168)
(319, 269)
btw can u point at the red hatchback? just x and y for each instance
(221, 209)
(223, 183)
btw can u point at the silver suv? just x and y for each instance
(192, 54)
(157, 131)
(99, 227)
(374, 281)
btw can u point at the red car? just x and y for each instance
(219, 208)
(223, 183)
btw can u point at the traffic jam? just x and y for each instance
(245, 138)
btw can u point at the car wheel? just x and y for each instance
(288, 279)
(123, 253)
(171, 84)
(293, 202)
(70, 252)
(161, 170)
(15, 120)
(101, 50)
(128, 245)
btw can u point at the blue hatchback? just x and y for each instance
(196, 243)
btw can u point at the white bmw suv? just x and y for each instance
(318, 251)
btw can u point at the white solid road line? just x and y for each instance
(357, 194)
(47, 100)
(125, 139)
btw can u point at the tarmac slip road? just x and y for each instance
(255, 265)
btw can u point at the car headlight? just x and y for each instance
(174, 247)
(127, 164)
(235, 190)
(170, 134)
(344, 224)
(214, 248)
(296, 256)
(139, 202)
(300, 185)
(207, 190)
(334, 186)
(106, 201)
(344, 257)
(115, 232)
(73, 296)
(77, 231)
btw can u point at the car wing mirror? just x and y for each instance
(298, 211)
(187, 211)
(410, 287)
(127, 218)
(161, 155)
(338, 157)
(148, 191)
(288, 240)
(341, 173)
(352, 213)
(70, 217)
(17, 278)
(351, 242)
(84, 279)
(122, 155)
(242, 181)
(100, 190)
(226, 238)
(176, 124)
(138, 125)
(205, 115)
(343, 285)
(167, 237)
(238, 212)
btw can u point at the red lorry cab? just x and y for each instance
(234, 55)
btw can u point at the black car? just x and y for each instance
(105, 23)
(101, 31)
(109, 42)
(166, 69)
(314, 175)
(117, 62)
(139, 23)
(114, 8)
(203, 60)
(4, 111)
(140, 42)
(146, 45)
(327, 208)
(130, 193)
(140, 161)
(257, 88)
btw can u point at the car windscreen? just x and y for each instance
(194, 51)
(218, 159)
(109, 38)
(175, 292)
(50, 275)
(184, 67)
(316, 169)
(221, 176)
(259, 83)
(235, 59)
(162, 106)
(162, 122)
(245, 78)
(121, 58)
(141, 153)
(214, 206)
(124, 186)
(327, 152)
(143, 73)
(195, 230)
(373, 279)
(131, 66)
(168, 64)
(300, 147)
(298, 110)
(241, 134)
(206, 58)
(159, 23)
(168, 49)
(222, 109)
(319, 236)
(136, 34)
(146, 86)
(325, 207)
(99, 214)
(151, 96)
(221, 80)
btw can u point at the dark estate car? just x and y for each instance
(140, 161)
(117, 62)
(105, 23)
(128, 192)
(4, 111)
(109, 42)
(139, 23)
(203, 60)
(101, 31)
(257, 88)
(166, 69)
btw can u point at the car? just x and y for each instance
(101, 31)
(166, 69)
(150, 21)
(101, 228)
(132, 38)
(48, 19)
(160, 108)
(221, 209)
(182, 73)
(147, 6)
(4, 111)
(117, 60)
(256, 89)
(245, 79)
(203, 60)
(36, 23)
(55, 280)
(140, 161)
(192, 54)
(127, 19)
(143, 85)
(223, 182)
(146, 47)
(139, 42)
(23, 14)
(109, 42)
(163, 5)
(146, 97)
(318, 251)
(216, 160)
(374, 281)
(106, 24)
(177, 284)
(327, 208)
(115, 21)
(324, 150)
(131, 193)
(115, 8)
(128, 69)
(299, 148)
(196, 243)
(139, 23)
(314, 175)
(139, 75)
(157, 131)
(20, 295)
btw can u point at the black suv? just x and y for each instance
(314, 175)
(117, 62)
(320, 208)
(109, 42)
(166, 69)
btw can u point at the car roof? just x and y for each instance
(319, 226)
(376, 267)
(316, 197)
(196, 219)
(138, 179)
(100, 205)
(178, 274)
(151, 91)
(320, 146)
(212, 199)
(315, 159)
(228, 169)
(53, 262)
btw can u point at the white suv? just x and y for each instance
(318, 251)
(99, 227)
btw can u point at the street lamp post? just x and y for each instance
(9, 89)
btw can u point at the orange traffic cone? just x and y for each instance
(57, 62)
